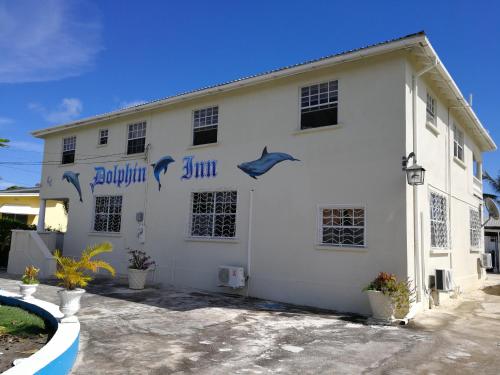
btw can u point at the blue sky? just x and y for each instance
(64, 60)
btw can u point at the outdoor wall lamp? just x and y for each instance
(415, 173)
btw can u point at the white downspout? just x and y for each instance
(416, 239)
(249, 241)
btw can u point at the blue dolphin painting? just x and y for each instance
(72, 178)
(266, 162)
(161, 166)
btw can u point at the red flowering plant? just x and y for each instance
(400, 292)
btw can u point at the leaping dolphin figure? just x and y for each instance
(266, 162)
(72, 178)
(161, 165)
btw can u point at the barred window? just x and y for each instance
(205, 124)
(108, 213)
(136, 138)
(319, 105)
(213, 214)
(341, 226)
(431, 109)
(475, 227)
(103, 137)
(439, 220)
(458, 143)
(69, 146)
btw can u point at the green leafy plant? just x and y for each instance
(400, 292)
(71, 271)
(30, 274)
(3, 142)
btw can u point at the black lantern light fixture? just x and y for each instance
(415, 173)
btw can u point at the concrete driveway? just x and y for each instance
(185, 331)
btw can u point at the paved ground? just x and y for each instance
(184, 331)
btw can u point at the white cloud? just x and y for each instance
(47, 40)
(6, 121)
(68, 110)
(131, 103)
(26, 146)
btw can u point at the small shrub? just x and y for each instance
(139, 260)
(400, 292)
(30, 274)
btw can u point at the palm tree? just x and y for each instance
(3, 142)
(494, 182)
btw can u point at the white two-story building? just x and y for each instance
(294, 174)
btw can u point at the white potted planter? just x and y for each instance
(70, 301)
(137, 278)
(381, 305)
(27, 290)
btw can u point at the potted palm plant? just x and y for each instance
(29, 282)
(73, 278)
(139, 266)
(388, 297)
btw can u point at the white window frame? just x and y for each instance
(194, 127)
(299, 93)
(320, 226)
(190, 236)
(431, 109)
(458, 143)
(92, 229)
(99, 137)
(434, 220)
(63, 148)
(478, 165)
(477, 228)
(130, 139)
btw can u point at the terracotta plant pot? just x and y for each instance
(381, 305)
(27, 290)
(70, 301)
(137, 278)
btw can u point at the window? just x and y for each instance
(342, 226)
(319, 105)
(108, 213)
(103, 137)
(213, 214)
(458, 143)
(69, 146)
(136, 138)
(439, 220)
(431, 109)
(16, 217)
(475, 227)
(476, 167)
(205, 124)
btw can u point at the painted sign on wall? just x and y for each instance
(198, 169)
(266, 161)
(119, 175)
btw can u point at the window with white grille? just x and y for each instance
(205, 124)
(108, 213)
(439, 220)
(69, 147)
(319, 105)
(136, 138)
(213, 214)
(103, 137)
(458, 143)
(475, 227)
(342, 226)
(431, 109)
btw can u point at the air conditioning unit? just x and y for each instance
(233, 277)
(444, 280)
(486, 261)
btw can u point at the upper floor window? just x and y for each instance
(103, 137)
(431, 109)
(205, 124)
(439, 220)
(476, 167)
(319, 105)
(342, 226)
(136, 138)
(213, 214)
(475, 227)
(458, 143)
(108, 213)
(69, 146)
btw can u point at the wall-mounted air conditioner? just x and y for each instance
(444, 280)
(486, 260)
(233, 277)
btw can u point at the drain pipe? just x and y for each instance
(249, 242)
(416, 242)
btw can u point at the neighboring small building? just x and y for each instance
(194, 179)
(491, 237)
(23, 205)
